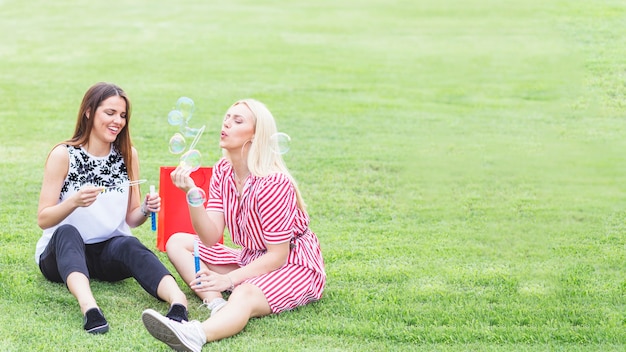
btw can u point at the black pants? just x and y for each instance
(113, 260)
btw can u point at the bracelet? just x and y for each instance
(232, 286)
(143, 210)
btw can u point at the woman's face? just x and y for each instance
(237, 128)
(109, 120)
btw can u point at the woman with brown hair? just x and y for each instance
(88, 205)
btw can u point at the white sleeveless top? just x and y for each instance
(106, 217)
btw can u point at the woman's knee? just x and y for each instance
(124, 247)
(67, 227)
(252, 298)
(66, 237)
(125, 242)
(66, 232)
(178, 242)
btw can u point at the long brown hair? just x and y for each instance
(94, 96)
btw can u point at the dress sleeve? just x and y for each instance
(277, 209)
(215, 201)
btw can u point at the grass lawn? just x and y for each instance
(463, 161)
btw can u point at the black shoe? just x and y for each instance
(177, 312)
(94, 322)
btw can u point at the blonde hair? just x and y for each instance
(263, 158)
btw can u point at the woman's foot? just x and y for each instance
(177, 312)
(185, 336)
(214, 305)
(94, 322)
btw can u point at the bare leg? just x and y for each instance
(247, 301)
(180, 252)
(79, 286)
(169, 291)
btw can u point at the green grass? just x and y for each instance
(463, 161)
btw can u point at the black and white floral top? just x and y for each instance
(109, 171)
(106, 217)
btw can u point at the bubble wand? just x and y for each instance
(153, 214)
(197, 138)
(191, 159)
(124, 184)
(196, 257)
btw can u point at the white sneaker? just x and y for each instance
(215, 305)
(185, 336)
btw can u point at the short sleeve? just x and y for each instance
(216, 186)
(276, 204)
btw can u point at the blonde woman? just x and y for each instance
(279, 266)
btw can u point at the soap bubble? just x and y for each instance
(175, 117)
(280, 143)
(190, 131)
(186, 107)
(191, 160)
(177, 143)
(196, 197)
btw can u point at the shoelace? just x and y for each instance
(215, 304)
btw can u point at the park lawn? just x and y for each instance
(462, 161)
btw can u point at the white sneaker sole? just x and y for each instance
(159, 327)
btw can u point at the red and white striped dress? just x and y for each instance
(267, 214)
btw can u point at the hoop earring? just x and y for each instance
(243, 147)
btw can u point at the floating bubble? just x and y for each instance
(280, 143)
(191, 160)
(186, 107)
(177, 143)
(175, 117)
(196, 197)
(190, 131)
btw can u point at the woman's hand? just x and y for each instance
(86, 195)
(208, 280)
(181, 179)
(152, 203)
